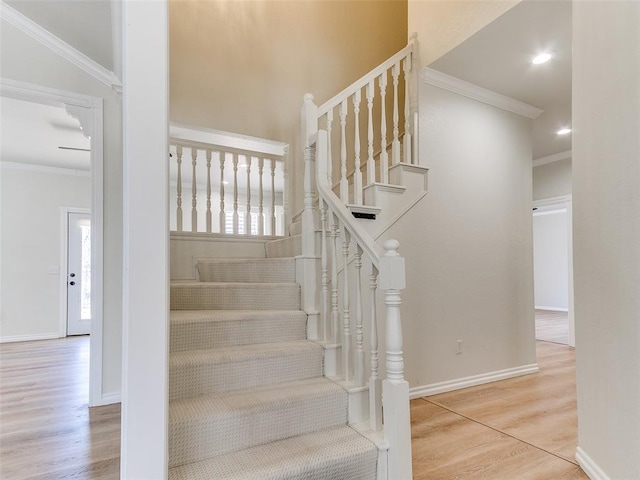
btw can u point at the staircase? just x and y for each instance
(247, 396)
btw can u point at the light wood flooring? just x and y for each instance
(521, 428)
(552, 326)
(47, 430)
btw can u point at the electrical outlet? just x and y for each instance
(458, 347)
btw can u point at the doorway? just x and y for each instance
(78, 272)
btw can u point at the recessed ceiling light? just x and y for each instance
(542, 58)
(563, 131)
(224, 182)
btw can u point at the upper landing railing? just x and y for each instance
(218, 189)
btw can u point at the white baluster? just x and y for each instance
(335, 315)
(247, 216)
(375, 382)
(223, 215)
(346, 315)
(179, 189)
(395, 145)
(273, 196)
(286, 213)
(384, 156)
(357, 176)
(261, 201)
(208, 191)
(329, 148)
(344, 183)
(407, 112)
(371, 166)
(194, 186)
(359, 358)
(324, 277)
(236, 217)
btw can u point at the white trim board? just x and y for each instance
(110, 398)
(32, 167)
(55, 44)
(591, 468)
(470, 90)
(226, 139)
(551, 309)
(472, 381)
(556, 157)
(28, 338)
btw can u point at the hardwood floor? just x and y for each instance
(47, 430)
(520, 428)
(552, 326)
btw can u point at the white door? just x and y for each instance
(79, 274)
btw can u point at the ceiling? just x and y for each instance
(31, 133)
(498, 58)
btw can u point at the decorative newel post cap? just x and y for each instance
(308, 98)
(391, 247)
(392, 276)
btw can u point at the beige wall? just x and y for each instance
(606, 222)
(444, 24)
(470, 268)
(552, 179)
(26, 60)
(244, 66)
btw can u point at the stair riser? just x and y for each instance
(286, 247)
(235, 297)
(275, 271)
(207, 334)
(193, 380)
(202, 438)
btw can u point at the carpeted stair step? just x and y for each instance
(337, 453)
(211, 425)
(202, 329)
(235, 296)
(203, 372)
(276, 270)
(284, 247)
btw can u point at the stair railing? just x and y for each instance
(219, 189)
(346, 318)
(381, 103)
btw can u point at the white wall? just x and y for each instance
(470, 267)
(30, 211)
(26, 60)
(606, 222)
(552, 179)
(551, 260)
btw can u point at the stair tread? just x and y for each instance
(194, 283)
(337, 452)
(239, 353)
(247, 260)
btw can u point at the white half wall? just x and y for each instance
(468, 245)
(606, 222)
(30, 268)
(551, 260)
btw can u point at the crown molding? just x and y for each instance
(556, 157)
(470, 90)
(62, 48)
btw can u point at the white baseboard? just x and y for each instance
(459, 383)
(590, 467)
(552, 309)
(108, 399)
(29, 338)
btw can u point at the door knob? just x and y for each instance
(72, 283)
(72, 275)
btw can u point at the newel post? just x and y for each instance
(395, 389)
(307, 265)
